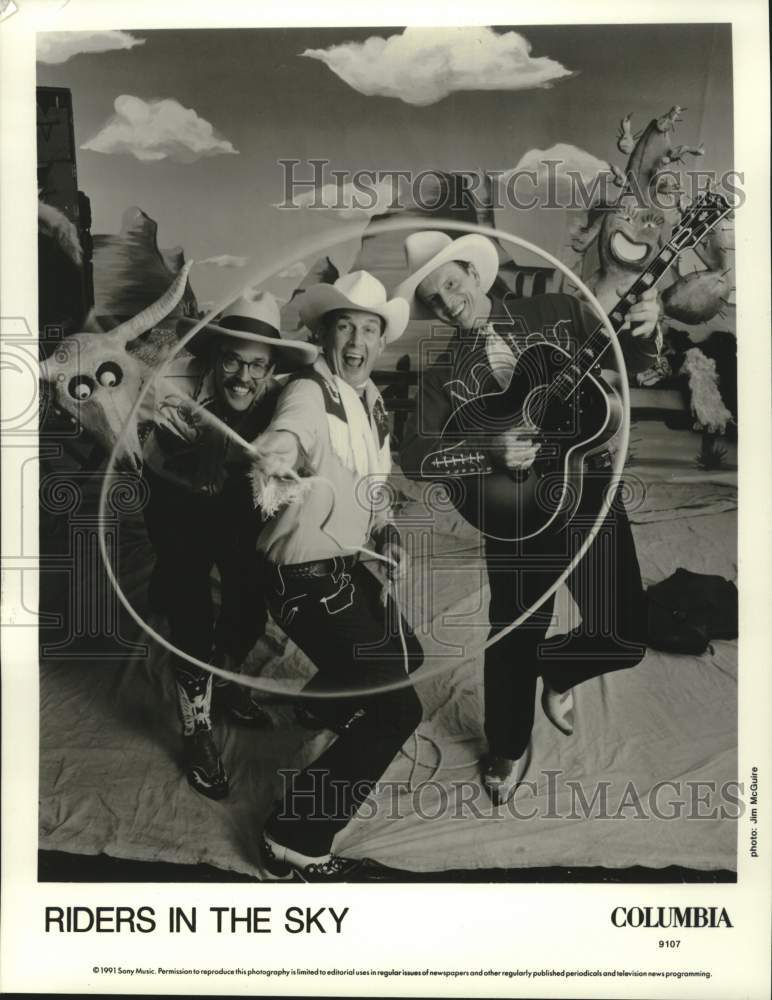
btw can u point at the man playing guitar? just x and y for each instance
(451, 280)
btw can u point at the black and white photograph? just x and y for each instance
(380, 462)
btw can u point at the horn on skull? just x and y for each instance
(154, 313)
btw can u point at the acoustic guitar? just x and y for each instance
(558, 399)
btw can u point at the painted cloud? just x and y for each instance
(296, 270)
(157, 130)
(553, 168)
(54, 47)
(423, 65)
(225, 260)
(350, 201)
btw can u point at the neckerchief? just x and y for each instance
(360, 442)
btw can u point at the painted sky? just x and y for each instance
(246, 98)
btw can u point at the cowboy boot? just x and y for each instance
(281, 860)
(501, 776)
(235, 699)
(203, 767)
(559, 708)
(237, 702)
(314, 719)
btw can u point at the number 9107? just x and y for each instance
(672, 943)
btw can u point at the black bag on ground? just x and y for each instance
(688, 609)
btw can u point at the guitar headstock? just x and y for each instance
(699, 218)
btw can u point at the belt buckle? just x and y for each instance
(343, 597)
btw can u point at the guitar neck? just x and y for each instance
(706, 213)
(599, 342)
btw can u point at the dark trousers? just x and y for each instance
(339, 622)
(191, 534)
(607, 588)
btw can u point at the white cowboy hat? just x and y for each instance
(429, 249)
(361, 291)
(255, 316)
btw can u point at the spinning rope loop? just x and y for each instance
(315, 247)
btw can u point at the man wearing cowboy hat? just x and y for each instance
(330, 428)
(452, 281)
(201, 514)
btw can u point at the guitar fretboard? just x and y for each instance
(697, 223)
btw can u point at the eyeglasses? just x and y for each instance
(232, 363)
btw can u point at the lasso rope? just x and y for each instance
(389, 591)
(315, 247)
